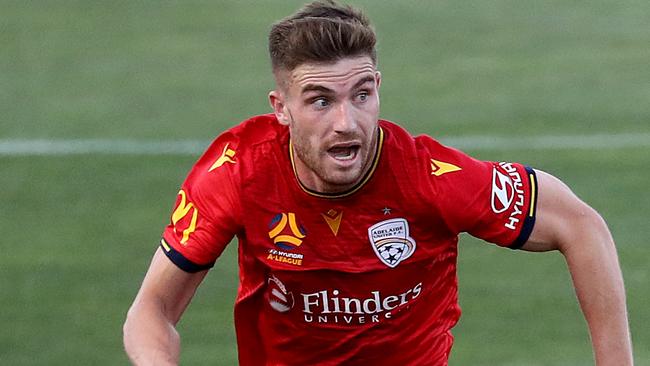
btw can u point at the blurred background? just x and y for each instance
(105, 105)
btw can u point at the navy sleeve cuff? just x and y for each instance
(529, 221)
(180, 261)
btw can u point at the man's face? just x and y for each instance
(332, 112)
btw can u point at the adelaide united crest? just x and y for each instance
(391, 241)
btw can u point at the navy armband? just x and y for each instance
(180, 261)
(529, 220)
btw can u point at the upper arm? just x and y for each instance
(493, 201)
(168, 287)
(207, 213)
(561, 217)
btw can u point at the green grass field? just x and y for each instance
(78, 230)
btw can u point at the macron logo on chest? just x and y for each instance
(333, 220)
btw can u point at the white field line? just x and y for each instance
(45, 147)
(22, 147)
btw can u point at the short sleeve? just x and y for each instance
(494, 201)
(206, 214)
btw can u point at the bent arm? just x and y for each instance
(150, 336)
(567, 224)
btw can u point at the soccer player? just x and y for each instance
(348, 225)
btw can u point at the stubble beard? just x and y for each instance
(335, 180)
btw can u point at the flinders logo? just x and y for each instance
(287, 235)
(391, 241)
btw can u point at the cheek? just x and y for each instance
(313, 125)
(374, 104)
(369, 116)
(370, 108)
(305, 132)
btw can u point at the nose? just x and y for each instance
(344, 118)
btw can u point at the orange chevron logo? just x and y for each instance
(439, 168)
(333, 220)
(226, 157)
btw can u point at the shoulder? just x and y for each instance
(239, 144)
(428, 152)
(214, 182)
(259, 129)
(235, 150)
(252, 132)
(430, 167)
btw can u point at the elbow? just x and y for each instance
(127, 329)
(585, 230)
(126, 326)
(132, 330)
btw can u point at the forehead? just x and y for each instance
(341, 74)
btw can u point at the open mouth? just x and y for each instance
(344, 153)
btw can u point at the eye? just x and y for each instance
(362, 96)
(320, 103)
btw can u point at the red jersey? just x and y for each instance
(367, 276)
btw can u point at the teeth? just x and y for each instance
(343, 153)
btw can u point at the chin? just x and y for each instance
(347, 178)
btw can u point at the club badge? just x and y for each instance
(391, 241)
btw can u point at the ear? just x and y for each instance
(277, 102)
(378, 78)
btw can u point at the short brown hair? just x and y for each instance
(322, 31)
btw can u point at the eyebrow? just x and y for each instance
(317, 88)
(366, 79)
(325, 90)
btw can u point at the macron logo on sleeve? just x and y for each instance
(226, 157)
(439, 168)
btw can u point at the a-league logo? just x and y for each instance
(283, 238)
(391, 241)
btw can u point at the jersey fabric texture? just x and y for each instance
(367, 276)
